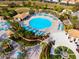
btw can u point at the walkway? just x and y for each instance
(62, 40)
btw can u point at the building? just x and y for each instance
(52, 0)
(67, 22)
(70, 1)
(9, 32)
(5, 34)
(64, 1)
(73, 33)
(20, 17)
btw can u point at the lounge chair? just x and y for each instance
(34, 31)
(26, 28)
(29, 29)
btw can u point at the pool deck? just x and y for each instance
(54, 26)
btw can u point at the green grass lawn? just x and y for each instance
(57, 57)
(70, 51)
(62, 48)
(72, 57)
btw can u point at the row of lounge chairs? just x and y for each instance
(60, 27)
(74, 40)
(37, 32)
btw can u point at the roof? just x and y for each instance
(1, 16)
(21, 16)
(67, 22)
(9, 32)
(71, 1)
(74, 33)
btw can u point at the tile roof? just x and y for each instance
(74, 33)
(72, 0)
(21, 16)
(1, 16)
(67, 22)
(9, 32)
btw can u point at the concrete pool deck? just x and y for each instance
(55, 22)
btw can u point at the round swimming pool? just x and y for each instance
(40, 23)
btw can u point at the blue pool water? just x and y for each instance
(17, 53)
(40, 23)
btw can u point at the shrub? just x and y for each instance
(12, 4)
(12, 13)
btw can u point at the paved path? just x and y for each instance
(62, 40)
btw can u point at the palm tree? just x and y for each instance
(46, 51)
(20, 32)
(6, 44)
(31, 11)
(43, 44)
